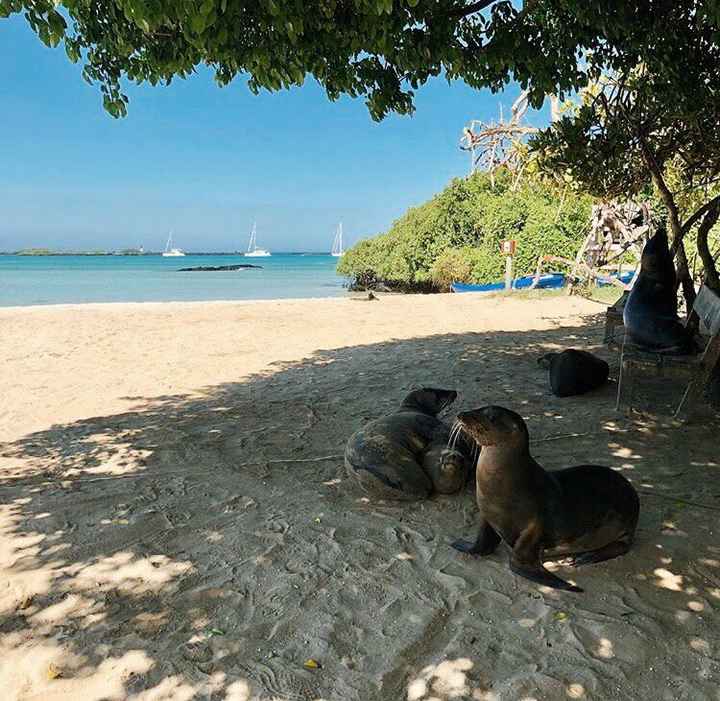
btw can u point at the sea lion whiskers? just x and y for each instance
(455, 432)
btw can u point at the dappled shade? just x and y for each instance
(211, 545)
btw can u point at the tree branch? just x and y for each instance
(677, 249)
(711, 274)
(700, 212)
(665, 194)
(470, 9)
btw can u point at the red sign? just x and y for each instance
(508, 247)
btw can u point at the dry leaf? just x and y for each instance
(311, 664)
(53, 671)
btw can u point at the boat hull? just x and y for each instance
(549, 281)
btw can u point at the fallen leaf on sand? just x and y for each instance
(53, 671)
(311, 664)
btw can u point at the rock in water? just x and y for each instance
(650, 315)
(216, 268)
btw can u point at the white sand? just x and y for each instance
(175, 522)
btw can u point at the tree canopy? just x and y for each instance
(380, 49)
(657, 123)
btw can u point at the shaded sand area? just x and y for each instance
(175, 521)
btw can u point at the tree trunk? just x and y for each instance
(712, 280)
(678, 231)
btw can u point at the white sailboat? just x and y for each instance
(253, 251)
(337, 247)
(171, 252)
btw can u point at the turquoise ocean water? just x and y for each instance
(30, 280)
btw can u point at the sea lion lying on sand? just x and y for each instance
(650, 313)
(588, 511)
(574, 372)
(405, 455)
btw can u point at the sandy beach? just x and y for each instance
(176, 522)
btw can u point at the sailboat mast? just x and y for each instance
(252, 245)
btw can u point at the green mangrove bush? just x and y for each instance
(456, 236)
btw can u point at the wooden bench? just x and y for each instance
(699, 368)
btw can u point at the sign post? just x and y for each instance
(508, 249)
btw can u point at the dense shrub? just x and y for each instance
(456, 236)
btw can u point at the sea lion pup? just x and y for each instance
(588, 511)
(574, 372)
(405, 455)
(650, 314)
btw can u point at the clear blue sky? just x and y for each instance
(206, 161)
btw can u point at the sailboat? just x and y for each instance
(253, 251)
(337, 247)
(170, 252)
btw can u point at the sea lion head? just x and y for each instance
(429, 400)
(447, 468)
(545, 361)
(494, 425)
(656, 261)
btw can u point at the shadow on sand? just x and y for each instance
(207, 548)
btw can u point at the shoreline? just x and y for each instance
(188, 303)
(521, 295)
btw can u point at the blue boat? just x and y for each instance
(625, 278)
(548, 281)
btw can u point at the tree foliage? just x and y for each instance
(381, 49)
(654, 122)
(457, 234)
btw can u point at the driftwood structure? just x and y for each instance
(616, 235)
(615, 230)
(494, 145)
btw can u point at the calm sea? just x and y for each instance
(27, 280)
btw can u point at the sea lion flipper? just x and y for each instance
(537, 573)
(611, 550)
(526, 559)
(484, 544)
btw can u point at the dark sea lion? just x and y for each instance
(588, 511)
(574, 372)
(650, 314)
(405, 455)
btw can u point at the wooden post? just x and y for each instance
(508, 272)
(508, 248)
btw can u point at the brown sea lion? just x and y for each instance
(405, 455)
(574, 372)
(650, 313)
(588, 511)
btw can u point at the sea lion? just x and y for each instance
(588, 511)
(405, 455)
(574, 372)
(650, 314)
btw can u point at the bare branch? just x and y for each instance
(470, 9)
